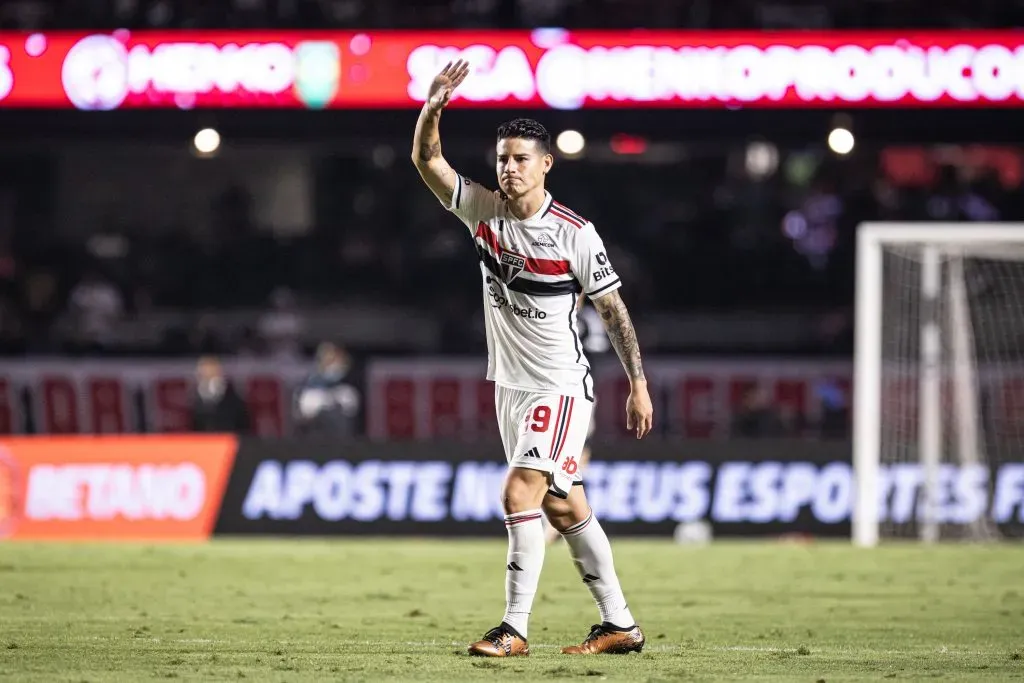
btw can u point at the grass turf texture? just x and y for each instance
(289, 610)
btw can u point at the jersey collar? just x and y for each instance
(541, 212)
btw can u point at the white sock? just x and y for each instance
(525, 560)
(592, 554)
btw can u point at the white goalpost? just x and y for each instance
(938, 433)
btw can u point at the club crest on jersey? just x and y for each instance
(511, 265)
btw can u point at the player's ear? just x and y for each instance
(548, 162)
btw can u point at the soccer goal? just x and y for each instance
(938, 433)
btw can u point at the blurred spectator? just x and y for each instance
(216, 405)
(756, 417)
(835, 414)
(96, 306)
(328, 401)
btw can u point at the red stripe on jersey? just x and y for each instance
(566, 217)
(558, 421)
(537, 266)
(545, 266)
(484, 232)
(565, 435)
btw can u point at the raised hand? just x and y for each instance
(445, 83)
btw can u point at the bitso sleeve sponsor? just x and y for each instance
(591, 264)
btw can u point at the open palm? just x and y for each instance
(445, 83)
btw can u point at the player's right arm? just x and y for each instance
(426, 143)
(467, 200)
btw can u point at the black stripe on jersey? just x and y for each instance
(458, 189)
(524, 286)
(598, 291)
(579, 353)
(563, 422)
(551, 200)
(535, 288)
(570, 213)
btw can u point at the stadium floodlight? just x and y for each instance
(938, 381)
(206, 141)
(570, 142)
(840, 141)
(761, 160)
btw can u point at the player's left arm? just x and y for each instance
(622, 335)
(601, 284)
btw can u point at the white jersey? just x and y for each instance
(533, 271)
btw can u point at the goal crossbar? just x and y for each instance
(939, 233)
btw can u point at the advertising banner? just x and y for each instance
(738, 488)
(153, 488)
(545, 68)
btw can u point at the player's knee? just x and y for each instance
(559, 512)
(568, 512)
(523, 490)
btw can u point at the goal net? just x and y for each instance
(939, 382)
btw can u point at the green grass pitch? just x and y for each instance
(372, 610)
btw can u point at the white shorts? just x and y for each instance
(545, 432)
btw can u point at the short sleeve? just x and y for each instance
(471, 202)
(591, 265)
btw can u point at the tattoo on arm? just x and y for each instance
(621, 333)
(429, 150)
(436, 173)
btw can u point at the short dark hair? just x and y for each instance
(527, 129)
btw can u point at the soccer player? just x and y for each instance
(536, 257)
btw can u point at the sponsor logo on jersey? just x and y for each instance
(543, 240)
(532, 453)
(500, 300)
(607, 271)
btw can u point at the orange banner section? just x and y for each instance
(113, 488)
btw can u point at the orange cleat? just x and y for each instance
(608, 639)
(500, 641)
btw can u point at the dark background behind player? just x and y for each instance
(733, 227)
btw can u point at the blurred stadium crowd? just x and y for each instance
(692, 231)
(694, 14)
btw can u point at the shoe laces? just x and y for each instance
(596, 631)
(496, 635)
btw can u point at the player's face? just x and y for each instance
(521, 166)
